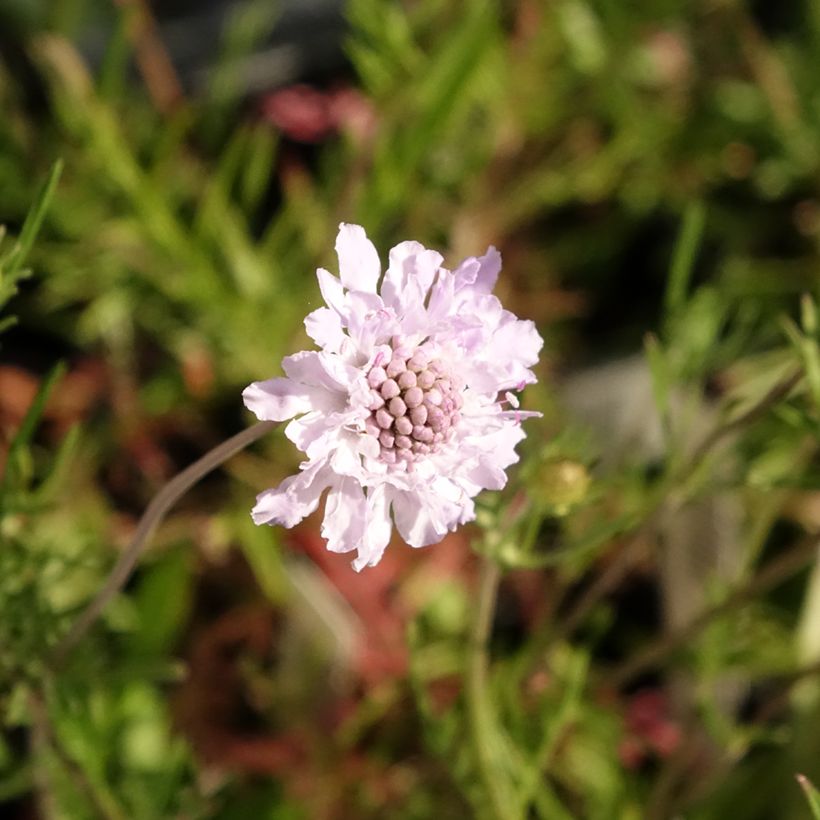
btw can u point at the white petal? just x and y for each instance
(345, 515)
(479, 274)
(424, 516)
(517, 340)
(359, 265)
(489, 268)
(442, 294)
(332, 291)
(485, 475)
(493, 451)
(378, 527)
(277, 399)
(346, 459)
(296, 497)
(369, 322)
(410, 274)
(339, 371)
(324, 326)
(313, 434)
(319, 369)
(413, 520)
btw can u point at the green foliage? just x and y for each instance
(650, 173)
(12, 258)
(812, 795)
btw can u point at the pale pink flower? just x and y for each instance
(403, 413)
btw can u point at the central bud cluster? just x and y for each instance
(414, 406)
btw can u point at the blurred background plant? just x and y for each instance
(643, 639)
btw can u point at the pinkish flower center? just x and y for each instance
(415, 403)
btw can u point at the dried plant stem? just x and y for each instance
(480, 717)
(153, 59)
(153, 515)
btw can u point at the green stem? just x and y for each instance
(151, 518)
(482, 728)
(774, 573)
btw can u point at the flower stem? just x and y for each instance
(774, 573)
(481, 720)
(151, 518)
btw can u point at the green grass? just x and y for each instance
(650, 174)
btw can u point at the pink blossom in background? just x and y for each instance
(402, 413)
(310, 115)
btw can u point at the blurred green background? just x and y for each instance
(651, 175)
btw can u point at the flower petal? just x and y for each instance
(369, 321)
(376, 533)
(318, 369)
(425, 515)
(413, 520)
(277, 399)
(312, 434)
(332, 291)
(324, 326)
(409, 276)
(479, 273)
(296, 497)
(472, 347)
(442, 295)
(345, 515)
(359, 265)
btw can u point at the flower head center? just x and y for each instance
(415, 404)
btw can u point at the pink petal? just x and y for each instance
(318, 369)
(296, 497)
(312, 434)
(410, 274)
(442, 295)
(332, 291)
(324, 326)
(359, 265)
(277, 399)
(479, 273)
(346, 459)
(345, 513)
(414, 521)
(376, 533)
(369, 321)
(425, 515)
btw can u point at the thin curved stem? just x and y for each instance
(775, 572)
(779, 392)
(622, 561)
(481, 721)
(151, 518)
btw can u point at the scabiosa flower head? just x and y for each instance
(405, 413)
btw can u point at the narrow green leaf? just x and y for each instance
(659, 371)
(34, 219)
(258, 167)
(35, 412)
(809, 352)
(683, 259)
(163, 599)
(24, 435)
(812, 795)
(808, 314)
(59, 464)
